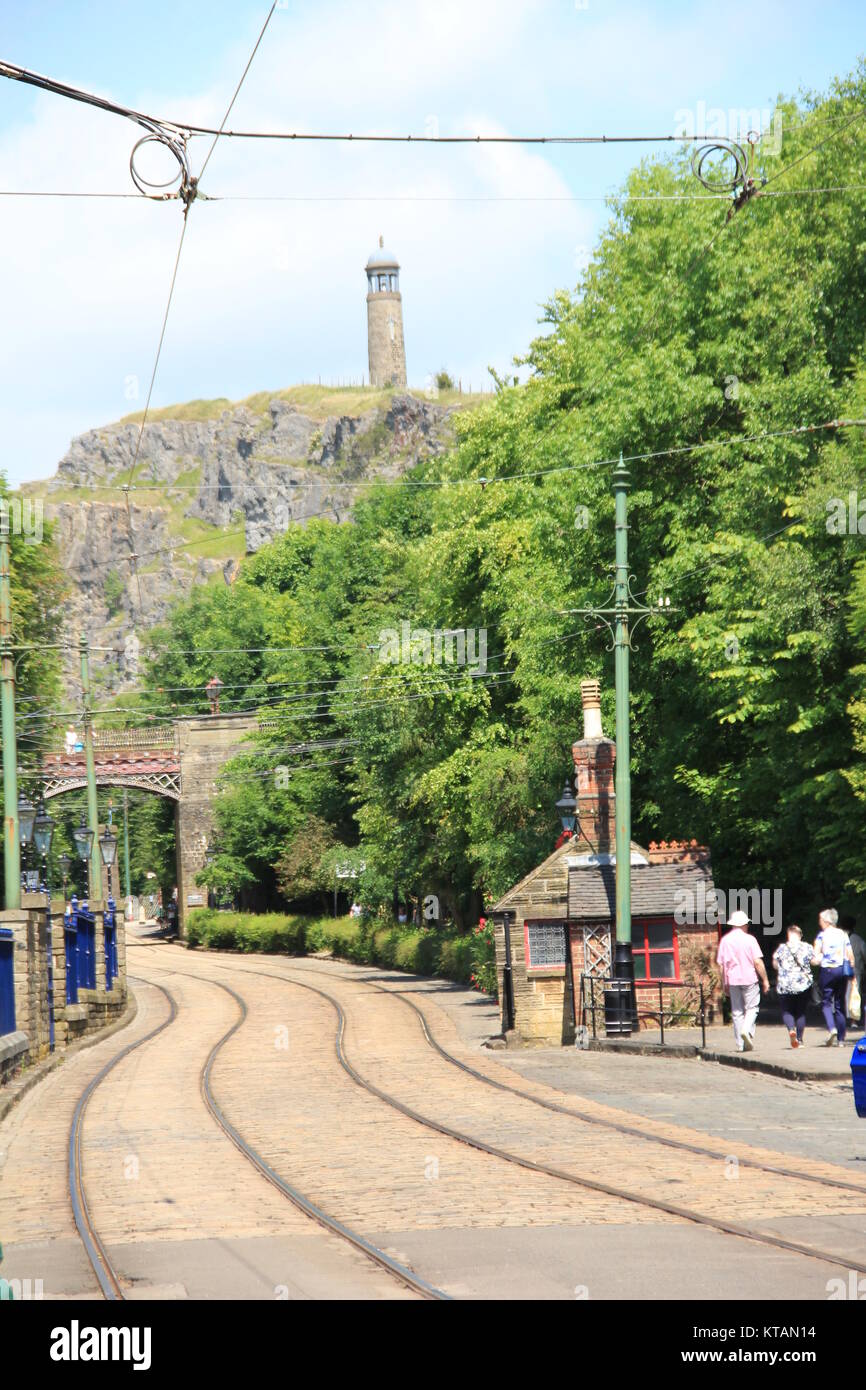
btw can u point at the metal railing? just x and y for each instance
(600, 1000)
(160, 736)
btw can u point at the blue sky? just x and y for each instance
(271, 293)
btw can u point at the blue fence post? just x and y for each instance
(70, 938)
(7, 981)
(86, 948)
(50, 964)
(109, 936)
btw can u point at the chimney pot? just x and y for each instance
(590, 694)
(594, 757)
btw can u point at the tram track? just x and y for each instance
(107, 1277)
(401, 1273)
(615, 1191)
(620, 1127)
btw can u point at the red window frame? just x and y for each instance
(642, 947)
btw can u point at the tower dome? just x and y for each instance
(382, 258)
(385, 346)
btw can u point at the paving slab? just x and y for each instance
(773, 1053)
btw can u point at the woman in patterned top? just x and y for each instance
(793, 962)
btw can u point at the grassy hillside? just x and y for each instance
(318, 402)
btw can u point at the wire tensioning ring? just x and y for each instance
(177, 146)
(721, 182)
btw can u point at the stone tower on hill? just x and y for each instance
(386, 349)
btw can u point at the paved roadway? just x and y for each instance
(183, 1213)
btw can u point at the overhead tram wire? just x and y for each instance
(348, 685)
(187, 205)
(184, 130)
(443, 682)
(133, 557)
(221, 130)
(281, 701)
(442, 198)
(858, 116)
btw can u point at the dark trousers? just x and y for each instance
(794, 1011)
(834, 986)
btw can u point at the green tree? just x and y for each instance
(697, 340)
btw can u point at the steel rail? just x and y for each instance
(729, 1228)
(105, 1272)
(593, 1184)
(633, 1131)
(398, 1271)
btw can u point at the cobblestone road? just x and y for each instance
(183, 1213)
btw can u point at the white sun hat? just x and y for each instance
(738, 919)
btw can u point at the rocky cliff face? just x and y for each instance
(208, 490)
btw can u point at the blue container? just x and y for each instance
(858, 1076)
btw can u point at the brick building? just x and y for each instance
(568, 905)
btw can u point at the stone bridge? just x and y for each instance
(180, 761)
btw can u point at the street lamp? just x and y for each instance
(108, 847)
(65, 863)
(567, 807)
(43, 831)
(83, 837)
(108, 851)
(26, 817)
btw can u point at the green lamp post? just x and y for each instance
(621, 608)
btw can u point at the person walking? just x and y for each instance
(835, 958)
(792, 959)
(744, 976)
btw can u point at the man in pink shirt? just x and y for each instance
(742, 967)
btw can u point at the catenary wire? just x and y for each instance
(237, 89)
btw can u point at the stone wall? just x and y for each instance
(95, 1008)
(205, 745)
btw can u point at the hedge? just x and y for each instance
(445, 953)
(247, 931)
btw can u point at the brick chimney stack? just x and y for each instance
(594, 757)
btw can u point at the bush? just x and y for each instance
(418, 949)
(247, 931)
(456, 960)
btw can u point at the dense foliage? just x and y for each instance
(695, 343)
(366, 941)
(36, 594)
